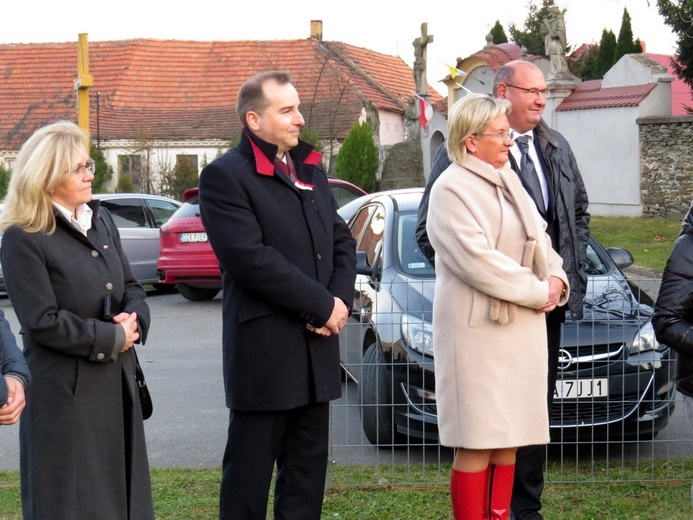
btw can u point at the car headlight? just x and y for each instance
(645, 340)
(418, 334)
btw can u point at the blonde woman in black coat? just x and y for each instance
(82, 446)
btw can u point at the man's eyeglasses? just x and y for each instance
(503, 136)
(530, 91)
(88, 166)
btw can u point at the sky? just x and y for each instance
(384, 26)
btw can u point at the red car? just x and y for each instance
(185, 255)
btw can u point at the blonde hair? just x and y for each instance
(45, 160)
(469, 116)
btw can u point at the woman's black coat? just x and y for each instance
(673, 317)
(82, 446)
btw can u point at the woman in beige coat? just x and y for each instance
(494, 268)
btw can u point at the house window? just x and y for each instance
(130, 164)
(186, 163)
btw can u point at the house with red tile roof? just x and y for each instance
(154, 102)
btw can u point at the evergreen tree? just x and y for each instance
(530, 38)
(357, 161)
(183, 176)
(310, 136)
(585, 66)
(607, 51)
(5, 174)
(498, 34)
(104, 171)
(625, 44)
(125, 184)
(678, 14)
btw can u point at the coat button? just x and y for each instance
(109, 286)
(100, 356)
(94, 253)
(318, 256)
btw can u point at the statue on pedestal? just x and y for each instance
(553, 31)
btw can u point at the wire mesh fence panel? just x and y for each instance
(616, 414)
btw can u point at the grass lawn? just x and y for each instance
(187, 494)
(648, 239)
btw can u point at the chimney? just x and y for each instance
(316, 29)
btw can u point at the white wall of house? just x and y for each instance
(161, 155)
(608, 157)
(391, 128)
(606, 141)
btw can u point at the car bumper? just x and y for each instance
(639, 402)
(192, 270)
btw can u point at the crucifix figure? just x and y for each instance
(420, 44)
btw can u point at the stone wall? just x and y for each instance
(666, 165)
(403, 166)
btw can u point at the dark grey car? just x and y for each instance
(615, 380)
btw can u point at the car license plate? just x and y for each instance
(193, 237)
(581, 388)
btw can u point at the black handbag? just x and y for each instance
(145, 397)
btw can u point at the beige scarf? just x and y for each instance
(503, 311)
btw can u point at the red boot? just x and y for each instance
(467, 492)
(500, 491)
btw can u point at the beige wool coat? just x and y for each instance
(493, 261)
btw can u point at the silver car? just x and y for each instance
(138, 217)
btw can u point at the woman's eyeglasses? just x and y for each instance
(503, 136)
(88, 166)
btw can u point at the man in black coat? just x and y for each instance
(288, 264)
(562, 201)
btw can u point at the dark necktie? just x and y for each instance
(285, 169)
(529, 174)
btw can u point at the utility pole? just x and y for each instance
(83, 82)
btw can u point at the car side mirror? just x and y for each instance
(621, 257)
(362, 265)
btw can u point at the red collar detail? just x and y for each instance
(264, 165)
(313, 158)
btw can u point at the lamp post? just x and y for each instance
(98, 122)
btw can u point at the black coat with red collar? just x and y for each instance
(284, 254)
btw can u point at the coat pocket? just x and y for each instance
(251, 310)
(477, 306)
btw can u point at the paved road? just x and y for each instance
(182, 363)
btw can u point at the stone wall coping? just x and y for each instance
(659, 120)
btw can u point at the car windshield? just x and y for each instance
(190, 208)
(413, 263)
(411, 260)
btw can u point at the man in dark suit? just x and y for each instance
(288, 263)
(550, 174)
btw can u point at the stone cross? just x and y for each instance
(420, 44)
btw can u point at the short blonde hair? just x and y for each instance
(469, 116)
(45, 160)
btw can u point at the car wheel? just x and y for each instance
(196, 294)
(378, 418)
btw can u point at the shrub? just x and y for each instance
(357, 161)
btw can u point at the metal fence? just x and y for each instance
(614, 403)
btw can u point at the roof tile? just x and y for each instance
(172, 89)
